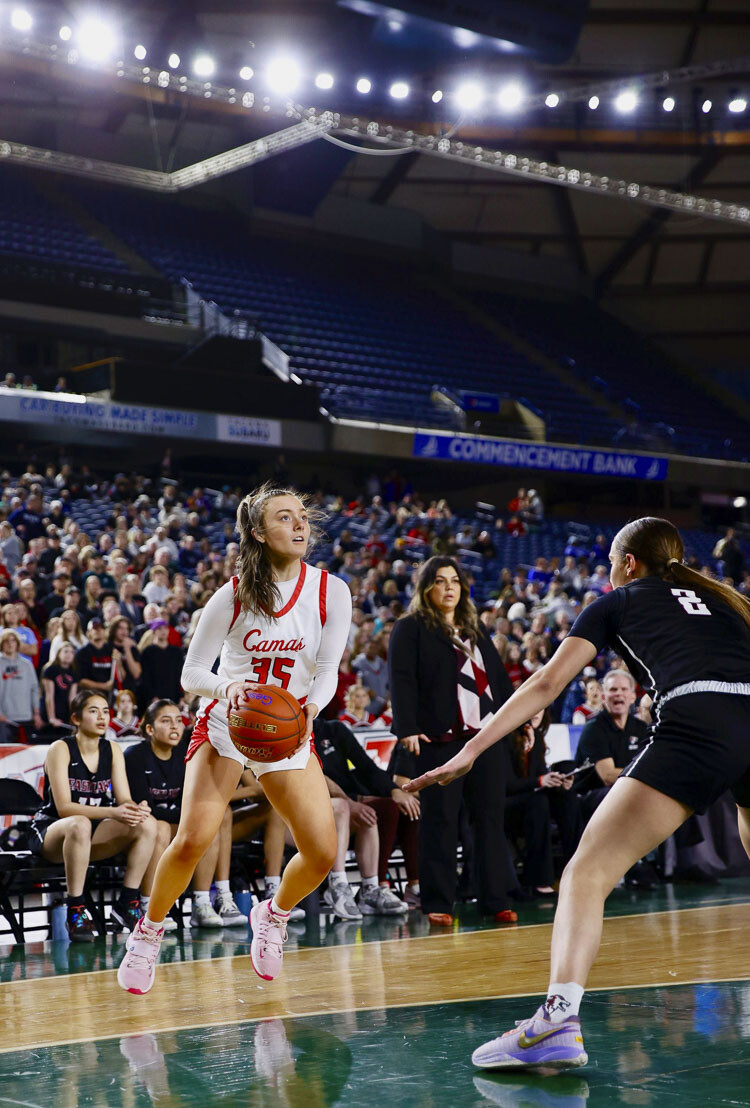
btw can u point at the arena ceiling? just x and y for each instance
(682, 277)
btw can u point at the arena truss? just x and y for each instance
(312, 124)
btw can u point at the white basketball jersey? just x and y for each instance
(280, 651)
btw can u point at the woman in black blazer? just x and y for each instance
(446, 679)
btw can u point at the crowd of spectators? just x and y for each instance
(112, 607)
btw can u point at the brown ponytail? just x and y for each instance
(257, 591)
(657, 543)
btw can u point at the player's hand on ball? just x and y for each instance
(310, 710)
(236, 692)
(444, 774)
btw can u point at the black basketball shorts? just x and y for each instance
(699, 748)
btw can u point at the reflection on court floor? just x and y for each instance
(388, 1013)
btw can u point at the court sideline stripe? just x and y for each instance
(446, 934)
(363, 1008)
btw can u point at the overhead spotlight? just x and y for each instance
(20, 20)
(626, 101)
(65, 34)
(140, 53)
(283, 75)
(204, 66)
(739, 502)
(324, 81)
(399, 90)
(510, 97)
(437, 96)
(737, 105)
(593, 103)
(246, 73)
(395, 25)
(552, 100)
(706, 106)
(465, 38)
(469, 96)
(96, 40)
(668, 103)
(363, 85)
(173, 61)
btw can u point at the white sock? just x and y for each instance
(414, 886)
(144, 904)
(272, 884)
(151, 924)
(336, 875)
(563, 1001)
(369, 883)
(276, 911)
(223, 887)
(201, 898)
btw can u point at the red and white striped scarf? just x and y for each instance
(475, 704)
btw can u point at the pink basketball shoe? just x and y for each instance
(136, 972)
(269, 936)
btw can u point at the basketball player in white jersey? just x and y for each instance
(298, 647)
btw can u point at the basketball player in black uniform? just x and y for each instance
(686, 639)
(89, 814)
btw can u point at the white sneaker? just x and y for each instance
(203, 915)
(380, 901)
(169, 924)
(338, 897)
(228, 912)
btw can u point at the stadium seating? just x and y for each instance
(32, 226)
(664, 404)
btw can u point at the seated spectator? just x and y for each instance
(125, 722)
(514, 664)
(56, 597)
(12, 617)
(357, 711)
(92, 591)
(19, 691)
(70, 630)
(11, 547)
(95, 663)
(598, 582)
(534, 797)
(161, 666)
(591, 705)
(129, 668)
(131, 601)
(365, 796)
(157, 588)
(611, 739)
(89, 815)
(372, 668)
(59, 686)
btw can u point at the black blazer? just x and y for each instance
(423, 670)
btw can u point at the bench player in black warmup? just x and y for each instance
(89, 814)
(686, 638)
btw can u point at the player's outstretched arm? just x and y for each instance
(534, 695)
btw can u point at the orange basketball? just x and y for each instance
(268, 726)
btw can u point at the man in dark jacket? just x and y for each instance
(353, 775)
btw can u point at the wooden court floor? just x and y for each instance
(388, 1009)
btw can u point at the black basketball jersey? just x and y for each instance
(158, 781)
(669, 636)
(85, 787)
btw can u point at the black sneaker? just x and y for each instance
(127, 913)
(80, 925)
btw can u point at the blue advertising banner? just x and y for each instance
(539, 455)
